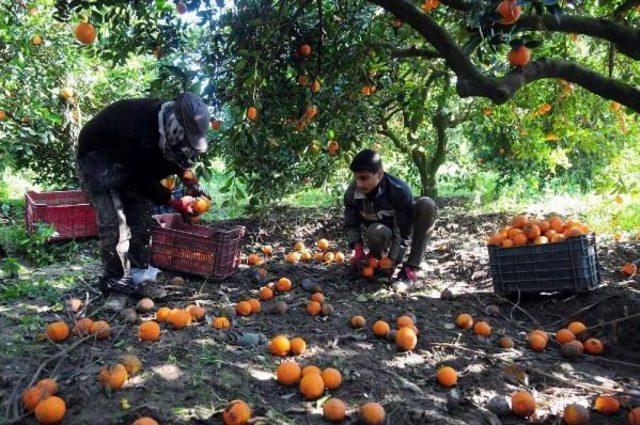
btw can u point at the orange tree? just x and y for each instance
(51, 84)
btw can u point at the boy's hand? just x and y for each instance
(357, 256)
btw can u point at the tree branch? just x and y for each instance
(386, 131)
(626, 39)
(625, 7)
(471, 82)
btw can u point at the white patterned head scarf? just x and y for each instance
(172, 141)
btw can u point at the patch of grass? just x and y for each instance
(23, 289)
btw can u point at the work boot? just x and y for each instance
(151, 290)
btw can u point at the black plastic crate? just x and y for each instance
(570, 266)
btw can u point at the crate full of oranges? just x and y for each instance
(525, 230)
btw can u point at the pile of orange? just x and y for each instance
(41, 399)
(524, 230)
(248, 307)
(573, 341)
(372, 263)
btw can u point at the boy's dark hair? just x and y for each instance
(366, 160)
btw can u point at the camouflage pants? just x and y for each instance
(124, 229)
(378, 237)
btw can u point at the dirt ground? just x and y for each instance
(191, 374)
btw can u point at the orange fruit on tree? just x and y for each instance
(574, 414)
(520, 221)
(298, 346)
(113, 376)
(243, 308)
(32, 396)
(506, 342)
(430, 5)
(313, 308)
(196, 312)
(283, 284)
(312, 386)
(593, 346)
(51, 410)
(447, 376)
(482, 328)
(381, 328)
(385, 263)
(565, 335)
(406, 339)
(366, 91)
(367, 272)
(577, 328)
(311, 369)
(221, 323)
(162, 314)
(252, 113)
(629, 269)
(334, 410)
(523, 404)
(303, 80)
(288, 373)
(100, 329)
(58, 331)
(509, 10)
(132, 364)
(532, 231)
(323, 244)
(3, 115)
(315, 86)
(318, 297)
(305, 50)
(255, 305)
(216, 125)
(464, 321)
(537, 342)
(236, 413)
(149, 331)
(266, 293)
(85, 33)
(357, 321)
(372, 413)
(403, 321)
(519, 56)
(145, 420)
(606, 404)
(83, 326)
(179, 318)
(333, 147)
(279, 345)
(332, 378)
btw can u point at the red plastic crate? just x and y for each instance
(195, 249)
(68, 211)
